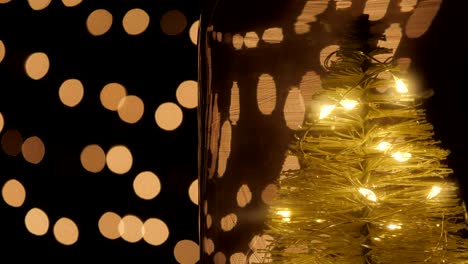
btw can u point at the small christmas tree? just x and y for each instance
(373, 186)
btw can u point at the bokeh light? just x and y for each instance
(66, 231)
(209, 245)
(251, 39)
(156, 231)
(266, 94)
(131, 228)
(219, 258)
(71, 3)
(36, 221)
(421, 18)
(37, 65)
(33, 150)
(93, 158)
(135, 21)
(13, 193)
(2, 50)
(38, 4)
(193, 192)
(229, 222)
(186, 252)
(244, 195)
(238, 258)
(273, 35)
(109, 225)
(237, 41)
(173, 22)
(146, 185)
(12, 142)
(2, 122)
(99, 22)
(294, 109)
(130, 109)
(111, 94)
(325, 52)
(187, 94)
(168, 116)
(193, 32)
(71, 92)
(119, 159)
(269, 193)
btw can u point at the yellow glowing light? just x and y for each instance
(393, 226)
(383, 146)
(319, 220)
(400, 85)
(326, 110)
(434, 192)
(285, 214)
(401, 156)
(348, 104)
(370, 195)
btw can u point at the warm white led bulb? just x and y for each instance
(434, 192)
(400, 85)
(383, 146)
(285, 214)
(348, 104)
(326, 110)
(370, 195)
(393, 226)
(401, 156)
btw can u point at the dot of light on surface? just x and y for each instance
(71, 3)
(119, 159)
(38, 4)
(131, 228)
(209, 245)
(37, 65)
(273, 35)
(229, 222)
(269, 193)
(244, 195)
(237, 41)
(193, 192)
(99, 22)
(187, 94)
(71, 92)
(109, 225)
(219, 258)
(266, 93)
(36, 221)
(135, 21)
(2, 50)
(66, 231)
(146, 185)
(173, 22)
(13, 193)
(168, 116)
(193, 32)
(93, 158)
(327, 51)
(4, 1)
(156, 231)
(12, 142)
(186, 252)
(111, 94)
(130, 109)
(2, 122)
(209, 221)
(238, 258)
(251, 39)
(33, 150)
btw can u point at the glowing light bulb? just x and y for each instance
(319, 220)
(393, 226)
(370, 195)
(285, 214)
(326, 110)
(401, 156)
(383, 146)
(400, 85)
(434, 192)
(348, 104)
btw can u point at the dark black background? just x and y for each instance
(150, 65)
